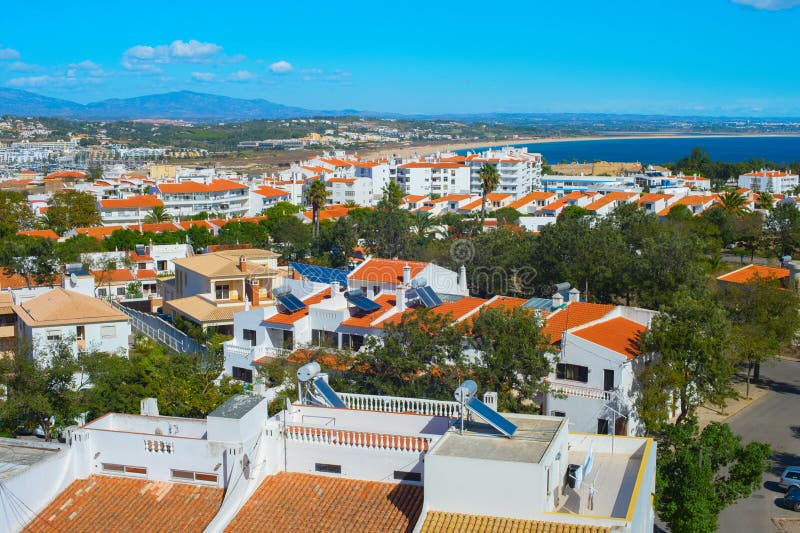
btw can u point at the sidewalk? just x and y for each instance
(706, 415)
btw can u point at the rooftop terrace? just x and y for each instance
(16, 455)
(151, 425)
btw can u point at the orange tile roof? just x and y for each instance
(146, 273)
(341, 180)
(195, 186)
(305, 502)
(159, 227)
(751, 273)
(270, 192)
(330, 212)
(437, 521)
(10, 280)
(472, 205)
(458, 310)
(767, 174)
(618, 334)
(117, 275)
(497, 196)
(105, 503)
(386, 270)
(425, 164)
(573, 315)
(285, 317)
(365, 320)
(451, 198)
(531, 197)
(609, 198)
(653, 197)
(413, 198)
(98, 232)
(144, 200)
(75, 174)
(40, 233)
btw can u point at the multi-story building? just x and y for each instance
(350, 190)
(334, 462)
(772, 181)
(65, 316)
(130, 210)
(209, 289)
(520, 171)
(264, 197)
(426, 178)
(220, 196)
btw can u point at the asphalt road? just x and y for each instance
(774, 419)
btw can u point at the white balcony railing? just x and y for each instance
(253, 352)
(357, 439)
(396, 404)
(570, 389)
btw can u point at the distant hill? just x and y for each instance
(180, 105)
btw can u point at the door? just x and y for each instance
(621, 426)
(602, 426)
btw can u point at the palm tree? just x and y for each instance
(316, 195)
(764, 200)
(157, 215)
(490, 179)
(734, 202)
(424, 224)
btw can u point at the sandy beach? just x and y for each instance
(430, 148)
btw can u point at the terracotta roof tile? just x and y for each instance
(98, 232)
(40, 233)
(755, 272)
(194, 186)
(573, 315)
(618, 334)
(105, 503)
(304, 502)
(365, 320)
(285, 317)
(436, 521)
(386, 270)
(142, 201)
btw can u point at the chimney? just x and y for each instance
(558, 300)
(462, 281)
(255, 296)
(337, 296)
(242, 263)
(400, 299)
(406, 275)
(574, 295)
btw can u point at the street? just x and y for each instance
(774, 419)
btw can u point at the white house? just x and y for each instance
(344, 190)
(225, 197)
(425, 178)
(61, 315)
(772, 181)
(520, 171)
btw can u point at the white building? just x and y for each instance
(772, 181)
(264, 197)
(373, 463)
(520, 171)
(131, 210)
(343, 190)
(84, 322)
(226, 198)
(425, 178)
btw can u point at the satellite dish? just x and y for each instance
(73, 279)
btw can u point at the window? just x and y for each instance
(161, 265)
(80, 333)
(188, 475)
(327, 469)
(602, 426)
(120, 291)
(53, 335)
(572, 372)
(108, 332)
(125, 469)
(249, 335)
(222, 292)
(243, 374)
(562, 414)
(608, 379)
(102, 292)
(401, 475)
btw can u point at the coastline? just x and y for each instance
(429, 148)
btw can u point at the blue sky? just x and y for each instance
(711, 57)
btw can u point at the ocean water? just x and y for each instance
(780, 150)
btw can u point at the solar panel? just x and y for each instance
(362, 302)
(428, 297)
(492, 417)
(291, 302)
(320, 274)
(330, 396)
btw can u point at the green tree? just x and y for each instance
(72, 209)
(70, 250)
(393, 195)
(95, 172)
(734, 202)
(33, 259)
(783, 228)
(749, 229)
(701, 473)
(694, 360)
(513, 360)
(157, 215)
(199, 237)
(764, 201)
(490, 179)
(316, 195)
(15, 214)
(506, 216)
(765, 319)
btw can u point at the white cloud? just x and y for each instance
(281, 67)
(241, 75)
(92, 68)
(19, 66)
(146, 58)
(769, 5)
(30, 81)
(203, 76)
(8, 54)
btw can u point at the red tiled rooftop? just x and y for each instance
(144, 201)
(573, 315)
(98, 232)
(386, 270)
(755, 272)
(618, 334)
(194, 186)
(104, 503)
(531, 197)
(40, 233)
(270, 192)
(287, 318)
(305, 502)
(118, 275)
(365, 320)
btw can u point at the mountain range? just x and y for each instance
(179, 105)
